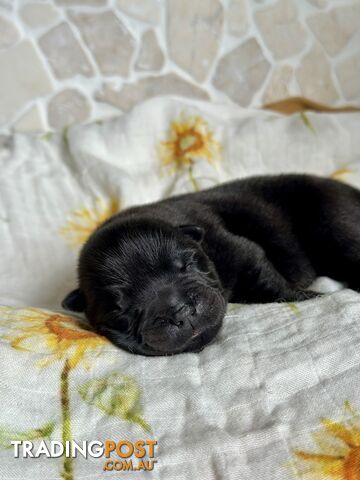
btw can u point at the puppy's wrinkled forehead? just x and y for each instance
(121, 255)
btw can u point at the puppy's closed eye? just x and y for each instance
(179, 264)
(117, 320)
(184, 265)
(189, 265)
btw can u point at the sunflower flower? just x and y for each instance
(58, 335)
(189, 139)
(63, 338)
(338, 455)
(84, 221)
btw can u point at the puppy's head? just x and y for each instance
(149, 287)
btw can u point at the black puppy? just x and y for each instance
(156, 279)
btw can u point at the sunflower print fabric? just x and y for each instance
(67, 340)
(189, 140)
(338, 454)
(275, 397)
(83, 221)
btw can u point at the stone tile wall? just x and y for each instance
(65, 61)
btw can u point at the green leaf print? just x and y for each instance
(7, 435)
(116, 395)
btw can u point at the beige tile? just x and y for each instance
(23, 78)
(335, 28)
(150, 56)
(314, 77)
(348, 73)
(279, 85)
(241, 72)
(7, 5)
(133, 93)
(145, 10)
(31, 121)
(36, 14)
(9, 33)
(68, 107)
(64, 53)
(194, 30)
(91, 3)
(319, 3)
(281, 30)
(237, 18)
(108, 39)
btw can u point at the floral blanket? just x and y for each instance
(275, 397)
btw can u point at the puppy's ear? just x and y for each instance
(74, 301)
(193, 231)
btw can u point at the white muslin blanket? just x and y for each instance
(276, 396)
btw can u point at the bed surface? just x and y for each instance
(275, 397)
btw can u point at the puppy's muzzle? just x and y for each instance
(170, 318)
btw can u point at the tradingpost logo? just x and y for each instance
(129, 456)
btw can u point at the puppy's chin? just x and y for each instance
(194, 345)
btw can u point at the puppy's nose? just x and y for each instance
(177, 317)
(175, 306)
(175, 321)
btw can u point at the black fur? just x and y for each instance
(156, 279)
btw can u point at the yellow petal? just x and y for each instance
(324, 464)
(339, 430)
